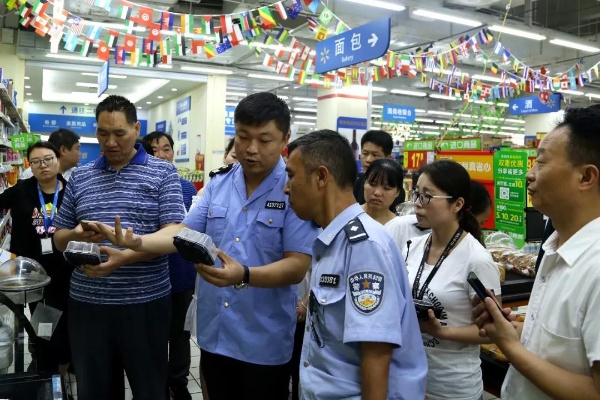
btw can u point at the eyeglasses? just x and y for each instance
(312, 308)
(424, 198)
(37, 163)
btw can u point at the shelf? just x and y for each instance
(6, 120)
(4, 221)
(10, 108)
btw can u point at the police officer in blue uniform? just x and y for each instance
(362, 339)
(246, 332)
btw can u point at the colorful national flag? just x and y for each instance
(147, 46)
(154, 33)
(59, 17)
(105, 4)
(226, 24)
(236, 35)
(494, 69)
(25, 10)
(93, 32)
(321, 33)
(209, 49)
(326, 16)
(86, 46)
(312, 24)
(267, 20)
(301, 77)
(70, 45)
(281, 10)
(207, 25)
(197, 46)
(244, 21)
(120, 55)
(55, 32)
(166, 21)
(103, 52)
(124, 10)
(282, 35)
(268, 61)
(295, 9)
(165, 51)
(313, 5)
(111, 38)
(129, 43)
(135, 58)
(77, 25)
(144, 18)
(340, 27)
(40, 7)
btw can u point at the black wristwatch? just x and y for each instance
(245, 280)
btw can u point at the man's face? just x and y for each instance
(258, 148)
(370, 152)
(117, 137)
(162, 149)
(301, 189)
(70, 158)
(553, 179)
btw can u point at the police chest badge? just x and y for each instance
(367, 291)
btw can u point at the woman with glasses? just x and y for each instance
(438, 265)
(33, 204)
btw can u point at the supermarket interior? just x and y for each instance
(478, 82)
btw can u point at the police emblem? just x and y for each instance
(367, 291)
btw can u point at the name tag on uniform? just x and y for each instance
(329, 280)
(46, 246)
(275, 205)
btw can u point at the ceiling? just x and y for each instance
(566, 19)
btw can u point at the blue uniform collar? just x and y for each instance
(266, 185)
(140, 158)
(339, 222)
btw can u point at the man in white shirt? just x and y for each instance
(556, 352)
(67, 144)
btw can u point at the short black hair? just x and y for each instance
(64, 137)
(480, 198)
(146, 145)
(229, 146)
(584, 139)
(258, 109)
(156, 135)
(43, 145)
(378, 138)
(329, 149)
(385, 171)
(119, 104)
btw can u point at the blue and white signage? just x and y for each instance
(161, 126)
(103, 79)
(182, 125)
(184, 105)
(46, 123)
(396, 113)
(533, 105)
(367, 42)
(229, 125)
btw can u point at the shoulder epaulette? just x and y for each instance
(222, 170)
(355, 231)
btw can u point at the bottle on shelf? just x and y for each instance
(354, 145)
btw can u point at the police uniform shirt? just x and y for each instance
(360, 293)
(254, 325)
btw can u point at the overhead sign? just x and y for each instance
(417, 145)
(160, 126)
(103, 79)
(22, 142)
(229, 125)
(479, 166)
(367, 42)
(471, 144)
(46, 123)
(533, 105)
(397, 113)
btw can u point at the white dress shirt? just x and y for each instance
(563, 316)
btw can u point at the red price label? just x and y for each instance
(415, 159)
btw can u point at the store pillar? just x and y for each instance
(211, 144)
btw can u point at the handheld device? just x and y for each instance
(195, 247)
(422, 307)
(81, 253)
(480, 289)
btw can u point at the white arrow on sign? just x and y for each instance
(373, 40)
(515, 107)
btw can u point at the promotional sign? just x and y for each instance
(397, 113)
(22, 142)
(419, 145)
(229, 125)
(414, 160)
(510, 169)
(479, 166)
(533, 105)
(364, 43)
(353, 129)
(472, 144)
(182, 127)
(103, 79)
(161, 126)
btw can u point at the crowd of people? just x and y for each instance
(317, 278)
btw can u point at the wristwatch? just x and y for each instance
(245, 280)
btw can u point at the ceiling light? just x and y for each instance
(26, 78)
(489, 103)
(74, 58)
(487, 78)
(430, 127)
(443, 121)
(86, 104)
(466, 124)
(420, 110)
(573, 45)
(379, 4)
(443, 97)
(159, 97)
(306, 117)
(111, 76)
(271, 77)
(93, 85)
(502, 105)
(510, 128)
(378, 89)
(237, 94)
(28, 94)
(310, 110)
(440, 112)
(492, 118)
(593, 95)
(304, 99)
(409, 92)
(446, 17)
(304, 123)
(213, 71)
(27, 87)
(516, 32)
(165, 66)
(173, 89)
(572, 92)
(424, 120)
(148, 102)
(515, 121)
(283, 97)
(376, 107)
(139, 108)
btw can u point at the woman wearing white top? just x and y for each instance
(438, 265)
(383, 183)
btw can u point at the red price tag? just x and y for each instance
(415, 159)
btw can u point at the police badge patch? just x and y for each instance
(367, 291)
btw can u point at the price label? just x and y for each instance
(415, 159)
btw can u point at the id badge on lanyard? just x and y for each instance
(46, 243)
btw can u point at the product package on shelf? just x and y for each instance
(514, 260)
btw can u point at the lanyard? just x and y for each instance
(418, 294)
(48, 222)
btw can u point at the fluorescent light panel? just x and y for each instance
(443, 97)
(305, 117)
(378, 89)
(572, 92)
(516, 32)
(593, 95)
(487, 78)
(213, 71)
(301, 109)
(409, 92)
(573, 45)
(379, 4)
(435, 112)
(376, 107)
(93, 85)
(111, 76)
(445, 17)
(236, 94)
(304, 123)
(271, 77)
(304, 99)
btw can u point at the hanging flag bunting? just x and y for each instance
(55, 32)
(40, 7)
(187, 23)
(313, 5)
(147, 46)
(130, 43)
(226, 24)
(124, 10)
(144, 17)
(312, 24)
(120, 55)
(166, 21)
(154, 33)
(70, 45)
(103, 52)
(326, 16)
(268, 61)
(93, 32)
(236, 36)
(134, 58)
(197, 46)
(295, 9)
(321, 33)
(207, 25)
(60, 17)
(86, 46)
(282, 35)
(209, 49)
(340, 27)
(281, 10)
(77, 25)
(129, 26)
(111, 38)
(301, 77)
(105, 4)
(244, 21)
(165, 51)
(179, 45)
(267, 20)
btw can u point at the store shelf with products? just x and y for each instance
(9, 108)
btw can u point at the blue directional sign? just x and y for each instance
(103, 79)
(533, 105)
(396, 113)
(367, 42)
(229, 125)
(160, 126)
